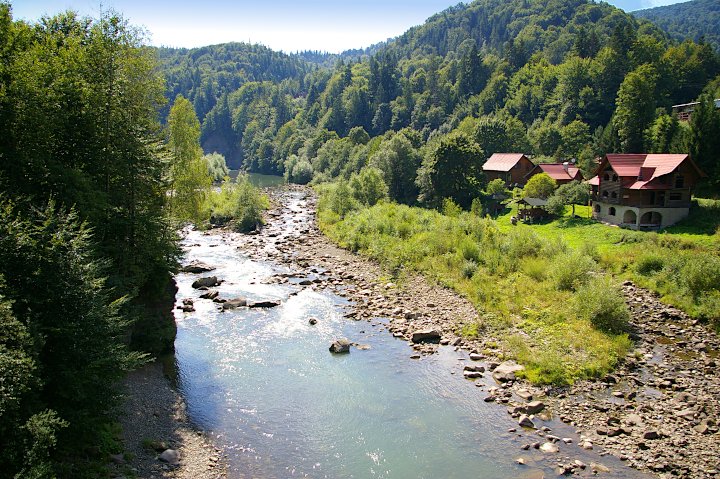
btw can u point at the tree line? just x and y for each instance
(557, 80)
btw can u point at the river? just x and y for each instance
(263, 384)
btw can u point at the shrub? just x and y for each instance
(469, 268)
(649, 263)
(570, 271)
(368, 186)
(238, 204)
(602, 303)
(700, 274)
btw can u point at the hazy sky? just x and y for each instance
(325, 25)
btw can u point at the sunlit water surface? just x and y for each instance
(264, 384)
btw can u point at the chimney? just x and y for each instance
(565, 166)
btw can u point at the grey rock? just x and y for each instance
(506, 371)
(525, 421)
(234, 303)
(170, 456)
(534, 407)
(264, 304)
(196, 267)
(206, 282)
(426, 336)
(340, 346)
(549, 447)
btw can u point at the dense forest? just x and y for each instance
(568, 79)
(86, 249)
(698, 20)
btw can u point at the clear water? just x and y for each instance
(264, 384)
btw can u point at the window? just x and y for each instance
(675, 197)
(615, 177)
(614, 194)
(606, 177)
(612, 212)
(605, 194)
(679, 181)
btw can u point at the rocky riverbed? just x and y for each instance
(658, 412)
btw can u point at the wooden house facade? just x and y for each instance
(644, 191)
(509, 167)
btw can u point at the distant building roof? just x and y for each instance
(502, 161)
(694, 103)
(594, 181)
(638, 171)
(558, 171)
(534, 202)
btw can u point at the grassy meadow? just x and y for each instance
(549, 291)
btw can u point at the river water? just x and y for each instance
(263, 383)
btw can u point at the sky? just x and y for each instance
(290, 26)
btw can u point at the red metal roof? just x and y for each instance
(594, 181)
(502, 161)
(557, 171)
(639, 171)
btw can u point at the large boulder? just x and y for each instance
(506, 371)
(197, 267)
(426, 336)
(171, 456)
(339, 346)
(206, 282)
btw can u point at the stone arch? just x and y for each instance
(651, 218)
(630, 217)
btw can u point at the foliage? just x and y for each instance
(571, 271)
(572, 193)
(539, 186)
(495, 187)
(602, 303)
(189, 176)
(452, 170)
(697, 20)
(238, 204)
(298, 170)
(368, 186)
(217, 168)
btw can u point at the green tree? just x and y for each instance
(573, 193)
(453, 169)
(189, 175)
(368, 186)
(217, 168)
(635, 107)
(398, 160)
(705, 140)
(540, 186)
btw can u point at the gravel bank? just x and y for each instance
(154, 421)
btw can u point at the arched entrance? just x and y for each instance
(630, 217)
(651, 218)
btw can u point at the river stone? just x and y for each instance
(209, 295)
(426, 336)
(341, 345)
(525, 421)
(206, 282)
(264, 304)
(597, 467)
(534, 407)
(312, 321)
(196, 267)
(506, 371)
(234, 303)
(171, 456)
(549, 447)
(476, 357)
(524, 394)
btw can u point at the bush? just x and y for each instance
(649, 263)
(571, 271)
(700, 274)
(602, 303)
(368, 186)
(240, 205)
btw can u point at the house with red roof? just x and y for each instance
(509, 167)
(643, 191)
(560, 172)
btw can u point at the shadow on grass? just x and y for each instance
(574, 221)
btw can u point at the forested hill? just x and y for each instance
(696, 20)
(204, 74)
(560, 79)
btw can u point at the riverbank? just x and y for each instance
(656, 412)
(159, 441)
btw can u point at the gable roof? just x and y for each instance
(502, 161)
(557, 172)
(638, 171)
